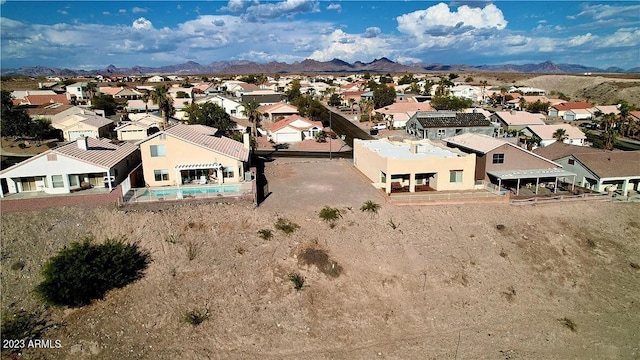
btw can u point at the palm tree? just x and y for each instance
(145, 98)
(366, 105)
(609, 138)
(251, 111)
(560, 134)
(160, 96)
(484, 89)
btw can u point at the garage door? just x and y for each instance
(77, 133)
(288, 137)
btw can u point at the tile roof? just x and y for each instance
(558, 150)
(279, 107)
(99, 152)
(291, 118)
(45, 99)
(431, 119)
(520, 118)
(205, 137)
(547, 131)
(96, 121)
(405, 106)
(478, 142)
(572, 105)
(612, 164)
(606, 109)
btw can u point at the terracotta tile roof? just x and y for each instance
(477, 142)
(572, 105)
(405, 106)
(558, 150)
(99, 152)
(45, 99)
(431, 119)
(635, 114)
(291, 118)
(547, 131)
(279, 107)
(520, 118)
(612, 164)
(205, 137)
(48, 110)
(110, 90)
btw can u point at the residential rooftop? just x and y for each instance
(409, 150)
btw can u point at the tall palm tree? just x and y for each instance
(560, 134)
(160, 96)
(251, 111)
(609, 138)
(145, 98)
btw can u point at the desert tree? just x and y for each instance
(160, 96)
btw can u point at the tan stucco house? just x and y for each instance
(397, 166)
(192, 154)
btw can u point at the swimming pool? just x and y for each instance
(192, 190)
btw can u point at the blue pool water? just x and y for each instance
(192, 191)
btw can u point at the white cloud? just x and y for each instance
(122, 11)
(106, 13)
(284, 8)
(602, 11)
(581, 39)
(142, 24)
(372, 32)
(62, 12)
(336, 7)
(137, 10)
(349, 47)
(439, 19)
(236, 6)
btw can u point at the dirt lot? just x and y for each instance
(447, 282)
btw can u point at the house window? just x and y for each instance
(455, 176)
(498, 158)
(56, 181)
(571, 162)
(383, 177)
(161, 175)
(227, 172)
(458, 131)
(157, 151)
(441, 132)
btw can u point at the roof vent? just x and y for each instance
(82, 142)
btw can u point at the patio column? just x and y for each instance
(108, 180)
(555, 187)
(178, 177)
(412, 182)
(518, 188)
(537, 184)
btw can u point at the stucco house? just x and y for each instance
(545, 133)
(138, 126)
(560, 109)
(84, 124)
(277, 111)
(232, 107)
(436, 125)
(187, 154)
(597, 169)
(398, 113)
(76, 165)
(504, 164)
(413, 166)
(294, 128)
(516, 120)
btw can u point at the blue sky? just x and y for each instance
(94, 34)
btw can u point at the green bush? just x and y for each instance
(330, 214)
(370, 207)
(297, 280)
(196, 317)
(83, 272)
(286, 226)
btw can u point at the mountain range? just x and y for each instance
(309, 66)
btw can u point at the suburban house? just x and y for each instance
(36, 100)
(437, 125)
(572, 135)
(262, 97)
(78, 92)
(398, 113)
(121, 92)
(140, 105)
(413, 166)
(504, 164)
(597, 169)
(155, 79)
(88, 125)
(232, 107)
(294, 128)
(80, 164)
(516, 120)
(467, 92)
(560, 110)
(138, 126)
(277, 111)
(605, 109)
(193, 154)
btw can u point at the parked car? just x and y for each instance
(379, 126)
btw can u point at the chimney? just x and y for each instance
(82, 142)
(246, 140)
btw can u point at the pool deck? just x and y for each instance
(144, 194)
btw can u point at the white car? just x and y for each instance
(379, 126)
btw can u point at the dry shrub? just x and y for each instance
(320, 258)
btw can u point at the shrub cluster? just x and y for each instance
(84, 271)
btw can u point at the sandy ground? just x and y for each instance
(445, 283)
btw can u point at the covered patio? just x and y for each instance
(200, 174)
(527, 179)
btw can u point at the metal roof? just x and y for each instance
(530, 174)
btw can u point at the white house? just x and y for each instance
(232, 107)
(79, 91)
(138, 127)
(545, 133)
(155, 79)
(294, 128)
(466, 92)
(80, 164)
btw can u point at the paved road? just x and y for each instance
(345, 127)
